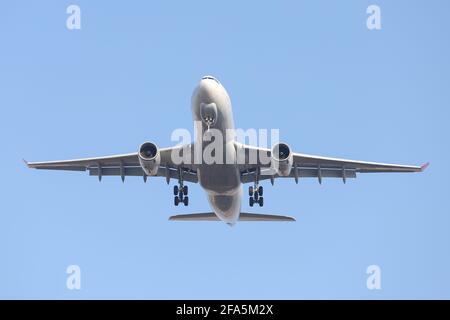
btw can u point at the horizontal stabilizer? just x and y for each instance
(244, 216)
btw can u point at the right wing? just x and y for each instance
(123, 165)
(311, 166)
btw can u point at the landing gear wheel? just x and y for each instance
(251, 201)
(250, 191)
(186, 201)
(261, 201)
(185, 190)
(176, 201)
(175, 190)
(256, 196)
(260, 191)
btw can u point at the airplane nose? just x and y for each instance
(206, 90)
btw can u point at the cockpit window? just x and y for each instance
(211, 78)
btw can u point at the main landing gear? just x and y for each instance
(256, 191)
(255, 195)
(180, 192)
(181, 195)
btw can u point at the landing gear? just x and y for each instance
(180, 192)
(183, 199)
(261, 201)
(255, 195)
(181, 196)
(256, 191)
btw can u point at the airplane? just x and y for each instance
(222, 182)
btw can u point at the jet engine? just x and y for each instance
(149, 158)
(282, 159)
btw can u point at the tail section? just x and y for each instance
(244, 216)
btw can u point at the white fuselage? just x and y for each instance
(221, 182)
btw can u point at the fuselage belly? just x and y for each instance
(221, 181)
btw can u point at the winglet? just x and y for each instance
(26, 162)
(424, 166)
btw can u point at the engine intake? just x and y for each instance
(149, 158)
(282, 159)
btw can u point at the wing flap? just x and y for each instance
(188, 175)
(248, 177)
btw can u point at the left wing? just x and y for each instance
(305, 165)
(123, 165)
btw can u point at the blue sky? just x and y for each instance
(310, 68)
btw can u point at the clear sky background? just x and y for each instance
(310, 68)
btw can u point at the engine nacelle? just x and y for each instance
(282, 159)
(149, 158)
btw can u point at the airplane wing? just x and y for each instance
(122, 165)
(311, 166)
